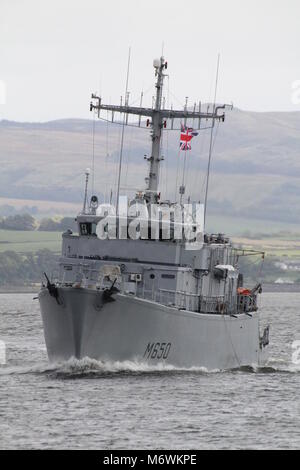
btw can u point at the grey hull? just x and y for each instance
(82, 324)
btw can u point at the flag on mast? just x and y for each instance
(187, 133)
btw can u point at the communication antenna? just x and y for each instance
(122, 137)
(211, 141)
(87, 174)
(93, 155)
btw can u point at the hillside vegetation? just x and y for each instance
(255, 171)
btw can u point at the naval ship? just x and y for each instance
(166, 298)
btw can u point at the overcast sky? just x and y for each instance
(54, 53)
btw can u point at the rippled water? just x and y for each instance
(86, 404)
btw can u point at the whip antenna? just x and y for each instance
(122, 137)
(211, 141)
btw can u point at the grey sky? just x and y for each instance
(55, 52)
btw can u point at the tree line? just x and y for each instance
(25, 269)
(29, 223)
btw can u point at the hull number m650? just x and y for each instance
(157, 350)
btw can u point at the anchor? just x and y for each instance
(52, 289)
(264, 339)
(108, 292)
(105, 296)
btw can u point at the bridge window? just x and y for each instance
(87, 228)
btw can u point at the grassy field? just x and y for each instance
(25, 242)
(275, 238)
(280, 245)
(238, 226)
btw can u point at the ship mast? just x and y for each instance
(157, 118)
(157, 125)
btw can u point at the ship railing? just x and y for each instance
(180, 299)
(148, 294)
(214, 304)
(86, 275)
(172, 298)
(246, 303)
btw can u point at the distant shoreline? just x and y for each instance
(19, 290)
(272, 287)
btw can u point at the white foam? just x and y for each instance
(92, 365)
(87, 365)
(281, 365)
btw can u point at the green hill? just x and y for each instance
(255, 171)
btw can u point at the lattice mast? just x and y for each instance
(157, 119)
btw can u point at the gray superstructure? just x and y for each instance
(160, 299)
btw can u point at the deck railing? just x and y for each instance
(214, 304)
(180, 299)
(246, 303)
(91, 277)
